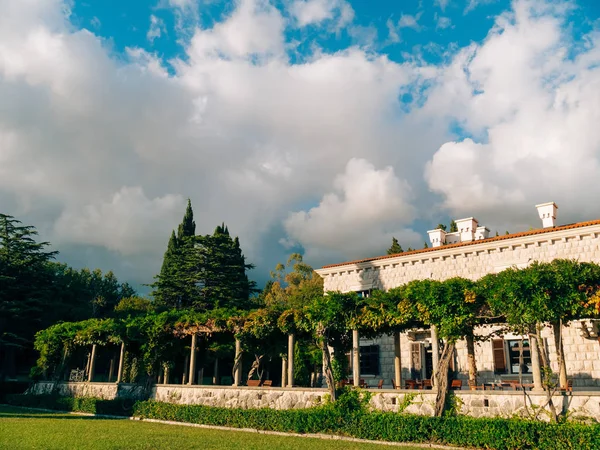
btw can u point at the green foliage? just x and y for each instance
(395, 248)
(203, 272)
(92, 405)
(441, 226)
(350, 417)
(453, 227)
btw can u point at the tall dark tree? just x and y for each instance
(24, 288)
(223, 279)
(395, 248)
(453, 227)
(175, 286)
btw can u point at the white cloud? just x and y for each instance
(442, 4)
(157, 27)
(410, 21)
(125, 224)
(531, 108)
(443, 22)
(359, 218)
(314, 12)
(250, 136)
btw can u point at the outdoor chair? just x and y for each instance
(427, 384)
(380, 384)
(267, 383)
(254, 383)
(410, 384)
(456, 385)
(394, 384)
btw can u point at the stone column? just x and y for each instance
(535, 364)
(121, 361)
(216, 372)
(356, 357)
(283, 371)
(111, 369)
(237, 375)
(397, 361)
(435, 352)
(192, 371)
(92, 364)
(186, 366)
(290, 360)
(166, 375)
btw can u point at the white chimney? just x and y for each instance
(437, 237)
(481, 233)
(547, 212)
(466, 228)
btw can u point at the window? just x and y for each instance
(366, 293)
(499, 356)
(369, 359)
(516, 348)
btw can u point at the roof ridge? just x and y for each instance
(464, 244)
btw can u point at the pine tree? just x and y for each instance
(441, 226)
(453, 227)
(25, 289)
(175, 286)
(395, 248)
(425, 245)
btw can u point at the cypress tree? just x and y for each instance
(453, 227)
(395, 248)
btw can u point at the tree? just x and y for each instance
(441, 226)
(425, 245)
(453, 227)
(395, 248)
(175, 284)
(24, 288)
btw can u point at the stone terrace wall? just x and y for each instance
(472, 403)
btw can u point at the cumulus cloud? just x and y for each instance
(95, 147)
(410, 21)
(530, 100)
(126, 223)
(367, 207)
(157, 27)
(314, 12)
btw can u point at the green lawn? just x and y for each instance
(27, 429)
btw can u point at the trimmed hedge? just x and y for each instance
(348, 417)
(92, 405)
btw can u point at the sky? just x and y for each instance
(323, 127)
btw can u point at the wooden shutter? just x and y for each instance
(499, 355)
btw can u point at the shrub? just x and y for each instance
(348, 416)
(92, 405)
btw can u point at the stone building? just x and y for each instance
(471, 253)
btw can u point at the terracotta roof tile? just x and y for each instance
(465, 244)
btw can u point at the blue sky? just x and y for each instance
(319, 126)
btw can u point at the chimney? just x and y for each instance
(481, 233)
(437, 237)
(547, 212)
(466, 229)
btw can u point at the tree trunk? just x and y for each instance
(284, 371)
(545, 379)
(328, 370)
(435, 352)
(442, 378)
(535, 363)
(472, 364)
(560, 354)
(237, 364)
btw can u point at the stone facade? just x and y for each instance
(473, 403)
(473, 260)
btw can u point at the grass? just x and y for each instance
(28, 429)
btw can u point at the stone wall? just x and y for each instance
(106, 391)
(472, 261)
(240, 397)
(472, 403)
